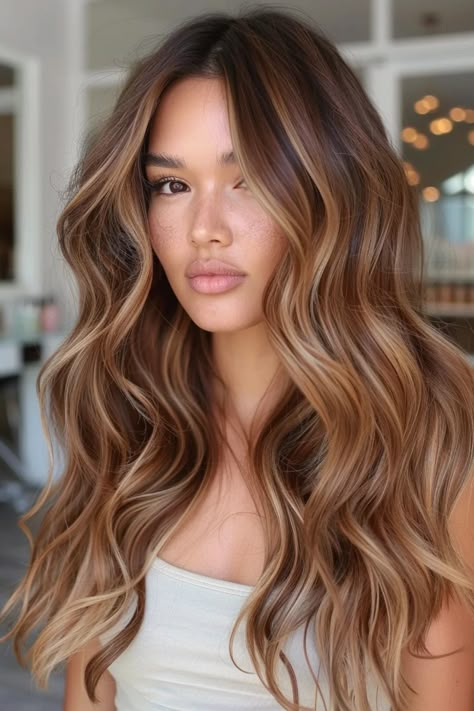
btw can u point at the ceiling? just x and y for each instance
(411, 17)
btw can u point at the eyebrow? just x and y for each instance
(165, 160)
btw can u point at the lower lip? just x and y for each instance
(215, 283)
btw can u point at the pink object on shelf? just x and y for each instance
(49, 315)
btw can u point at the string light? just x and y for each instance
(437, 126)
(409, 134)
(421, 142)
(430, 194)
(457, 113)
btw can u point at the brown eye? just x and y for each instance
(155, 186)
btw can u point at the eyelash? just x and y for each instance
(155, 185)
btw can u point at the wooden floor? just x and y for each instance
(17, 689)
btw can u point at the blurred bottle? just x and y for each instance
(49, 314)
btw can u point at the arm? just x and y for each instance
(448, 683)
(75, 696)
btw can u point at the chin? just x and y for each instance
(222, 323)
(217, 326)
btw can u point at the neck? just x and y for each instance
(252, 376)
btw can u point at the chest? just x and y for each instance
(224, 536)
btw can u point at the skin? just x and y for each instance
(211, 213)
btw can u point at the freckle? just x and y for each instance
(162, 232)
(265, 230)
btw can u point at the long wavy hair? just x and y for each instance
(359, 465)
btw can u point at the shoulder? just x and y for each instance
(75, 695)
(461, 522)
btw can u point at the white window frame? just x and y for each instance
(23, 101)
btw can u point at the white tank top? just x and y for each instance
(179, 659)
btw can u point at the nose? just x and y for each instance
(209, 223)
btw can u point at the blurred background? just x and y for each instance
(62, 63)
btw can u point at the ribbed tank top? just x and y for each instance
(179, 659)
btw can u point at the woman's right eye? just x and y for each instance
(155, 185)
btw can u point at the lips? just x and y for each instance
(212, 267)
(216, 283)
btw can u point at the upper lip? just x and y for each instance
(210, 267)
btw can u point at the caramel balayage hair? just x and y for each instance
(359, 465)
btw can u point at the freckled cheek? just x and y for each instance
(268, 245)
(162, 235)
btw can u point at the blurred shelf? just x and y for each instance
(447, 309)
(14, 349)
(450, 275)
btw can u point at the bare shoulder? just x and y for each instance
(75, 696)
(448, 682)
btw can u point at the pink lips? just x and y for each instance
(215, 283)
(211, 267)
(213, 276)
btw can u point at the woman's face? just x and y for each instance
(206, 211)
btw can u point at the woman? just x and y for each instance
(261, 424)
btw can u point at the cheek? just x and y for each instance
(162, 234)
(268, 244)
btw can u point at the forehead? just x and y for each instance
(191, 111)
